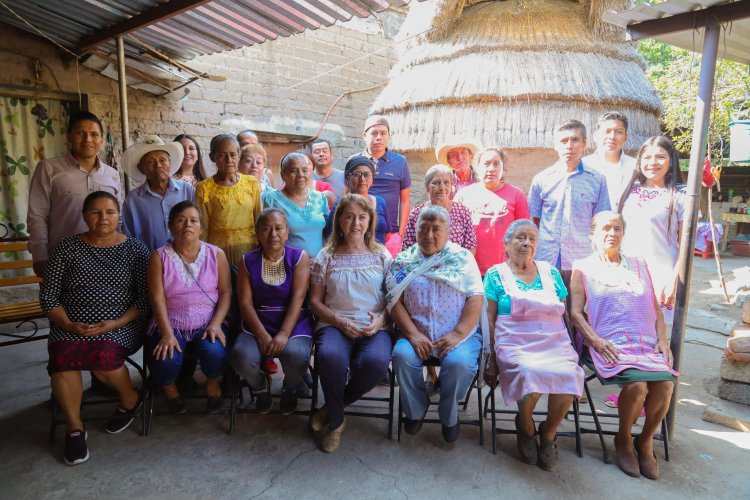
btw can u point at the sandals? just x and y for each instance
(613, 401)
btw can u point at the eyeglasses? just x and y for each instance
(361, 175)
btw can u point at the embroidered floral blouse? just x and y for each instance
(355, 284)
(229, 214)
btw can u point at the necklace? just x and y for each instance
(273, 272)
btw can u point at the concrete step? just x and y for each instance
(732, 415)
(736, 392)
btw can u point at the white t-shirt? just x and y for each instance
(618, 175)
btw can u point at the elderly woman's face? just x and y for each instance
(360, 180)
(608, 234)
(226, 157)
(273, 232)
(186, 226)
(522, 244)
(440, 188)
(102, 217)
(432, 235)
(296, 174)
(354, 221)
(252, 164)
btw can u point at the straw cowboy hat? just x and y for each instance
(132, 156)
(441, 151)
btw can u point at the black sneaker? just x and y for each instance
(288, 403)
(263, 401)
(122, 418)
(450, 434)
(215, 405)
(76, 452)
(413, 426)
(177, 406)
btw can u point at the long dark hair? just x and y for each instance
(198, 167)
(672, 181)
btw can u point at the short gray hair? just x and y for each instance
(434, 212)
(514, 227)
(435, 170)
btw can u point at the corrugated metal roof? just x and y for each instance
(211, 27)
(735, 40)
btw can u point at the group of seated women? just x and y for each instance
(355, 308)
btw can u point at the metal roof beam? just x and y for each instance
(147, 18)
(733, 11)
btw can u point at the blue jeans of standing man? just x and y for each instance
(457, 370)
(212, 356)
(364, 359)
(245, 359)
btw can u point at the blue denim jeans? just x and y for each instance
(212, 357)
(364, 359)
(457, 370)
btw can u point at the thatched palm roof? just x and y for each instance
(506, 72)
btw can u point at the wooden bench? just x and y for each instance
(20, 312)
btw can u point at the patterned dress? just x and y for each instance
(621, 310)
(95, 284)
(461, 232)
(229, 214)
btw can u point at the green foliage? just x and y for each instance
(675, 72)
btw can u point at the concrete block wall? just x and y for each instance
(256, 94)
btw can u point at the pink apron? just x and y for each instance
(532, 346)
(621, 310)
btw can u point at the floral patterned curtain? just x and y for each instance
(30, 130)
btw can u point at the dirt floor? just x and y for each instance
(274, 457)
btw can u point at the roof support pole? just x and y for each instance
(687, 241)
(123, 84)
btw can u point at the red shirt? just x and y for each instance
(491, 214)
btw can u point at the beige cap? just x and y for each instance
(376, 120)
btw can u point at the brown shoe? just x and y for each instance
(627, 461)
(547, 452)
(648, 464)
(331, 440)
(319, 420)
(528, 448)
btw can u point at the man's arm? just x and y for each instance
(38, 215)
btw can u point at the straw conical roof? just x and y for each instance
(507, 72)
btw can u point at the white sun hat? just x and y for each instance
(442, 150)
(132, 156)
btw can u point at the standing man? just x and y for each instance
(459, 154)
(322, 155)
(145, 214)
(247, 137)
(392, 177)
(59, 186)
(610, 135)
(563, 198)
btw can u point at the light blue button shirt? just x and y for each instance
(564, 202)
(145, 213)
